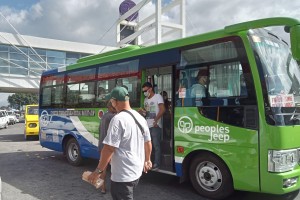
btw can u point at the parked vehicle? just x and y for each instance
(12, 117)
(3, 119)
(31, 121)
(5, 116)
(18, 118)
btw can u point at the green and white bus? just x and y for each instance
(243, 134)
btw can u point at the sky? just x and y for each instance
(90, 21)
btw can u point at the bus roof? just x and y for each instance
(113, 52)
(134, 50)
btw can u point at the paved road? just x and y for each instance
(30, 172)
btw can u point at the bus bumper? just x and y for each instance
(281, 183)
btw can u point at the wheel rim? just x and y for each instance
(208, 175)
(73, 152)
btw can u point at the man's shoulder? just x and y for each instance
(108, 114)
(123, 113)
(196, 85)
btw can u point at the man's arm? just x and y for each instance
(148, 150)
(162, 109)
(105, 157)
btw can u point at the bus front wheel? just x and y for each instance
(73, 152)
(211, 177)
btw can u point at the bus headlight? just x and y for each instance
(282, 160)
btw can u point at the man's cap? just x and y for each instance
(147, 84)
(119, 94)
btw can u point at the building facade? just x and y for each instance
(24, 58)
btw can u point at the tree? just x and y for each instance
(18, 99)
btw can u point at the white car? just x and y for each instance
(12, 117)
(18, 117)
(3, 119)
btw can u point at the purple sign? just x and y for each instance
(125, 6)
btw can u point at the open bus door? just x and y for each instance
(162, 81)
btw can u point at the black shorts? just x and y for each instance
(123, 190)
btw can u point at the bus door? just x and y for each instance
(162, 81)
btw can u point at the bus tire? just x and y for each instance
(211, 177)
(73, 152)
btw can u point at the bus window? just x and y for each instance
(52, 90)
(73, 94)
(82, 75)
(199, 59)
(103, 88)
(46, 101)
(79, 94)
(57, 95)
(132, 84)
(225, 80)
(86, 94)
(217, 80)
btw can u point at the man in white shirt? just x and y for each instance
(127, 145)
(154, 110)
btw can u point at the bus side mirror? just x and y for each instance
(295, 41)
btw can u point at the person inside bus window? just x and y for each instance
(105, 120)
(198, 90)
(243, 86)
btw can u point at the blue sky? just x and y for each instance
(18, 4)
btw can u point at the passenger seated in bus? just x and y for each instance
(243, 86)
(198, 90)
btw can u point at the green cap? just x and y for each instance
(119, 94)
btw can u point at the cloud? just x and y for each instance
(72, 20)
(88, 20)
(209, 15)
(3, 99)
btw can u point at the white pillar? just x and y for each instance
(183, 22)
(154, 21)
(158, 31)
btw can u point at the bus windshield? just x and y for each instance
(280, 77)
